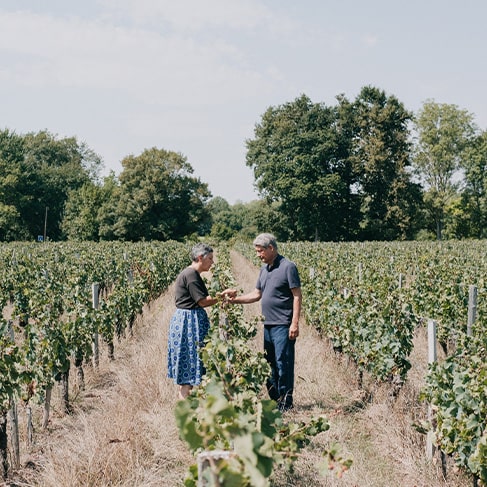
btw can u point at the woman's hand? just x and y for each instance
(229, 293)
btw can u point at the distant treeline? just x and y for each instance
(366, 169)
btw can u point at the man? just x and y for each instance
(279, 288)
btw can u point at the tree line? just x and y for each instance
(362, 169)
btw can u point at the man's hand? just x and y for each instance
(229, 293)
(293, 331)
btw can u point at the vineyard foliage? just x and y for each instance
(457, 389)
(369, 299)
(230, 413)
(49, 317)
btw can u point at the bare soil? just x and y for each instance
(122, 431)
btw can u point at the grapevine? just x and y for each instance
(228, 412)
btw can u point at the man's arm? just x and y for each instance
(297, 299)
(248, 298)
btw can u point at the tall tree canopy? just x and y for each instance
(158, 199)
(473, 204)
(90, 209)
(324, 173)
(338, 173)
(12, 226)
(443, 133)
(37, 171)
(296, 162)
(380, 157)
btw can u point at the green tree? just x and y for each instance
(226, 224)
(245, 220)
(338, 173)
(37, 172)
(12, 225)
(473, 209)
(214, 207)
(158, 198)
(380, 158)
(53, 167)
(296, 162)
(443, 133)
(263, 216)
(85, 208)
(107, 214)
(217, 204)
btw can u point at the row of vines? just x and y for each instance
(370, 298)
(56, 298)
(238, 435)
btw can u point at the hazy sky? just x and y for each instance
(195, 76)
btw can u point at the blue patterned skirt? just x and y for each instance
(187, 330)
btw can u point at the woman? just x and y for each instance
(189, 323)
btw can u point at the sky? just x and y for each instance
(195, 77)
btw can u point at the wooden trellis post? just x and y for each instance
(209, 460)
(472, 308)
(13, 417)
(96, 350)
(432, 357)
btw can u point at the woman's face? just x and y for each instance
(207, 261)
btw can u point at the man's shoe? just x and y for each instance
(285, 407)
(273, 394)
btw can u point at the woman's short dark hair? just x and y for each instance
(200, 249)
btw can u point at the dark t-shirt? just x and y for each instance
(275, 284)
(189, 289)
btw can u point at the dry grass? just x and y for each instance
(123, 431)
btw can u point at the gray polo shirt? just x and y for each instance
(275, 284)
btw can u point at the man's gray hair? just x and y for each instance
(265, 239)
(200, 249)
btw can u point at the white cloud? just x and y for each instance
(149, 66)
(122, 85)
(195, 76)
(194, 15)
(370, 40)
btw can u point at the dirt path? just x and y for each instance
(124, 433)
(323, 386)
(371, 428)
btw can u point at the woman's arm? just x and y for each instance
(209, 301)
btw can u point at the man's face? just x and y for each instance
(266, 254)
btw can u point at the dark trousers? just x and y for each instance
(279, 352)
